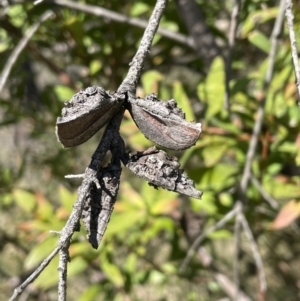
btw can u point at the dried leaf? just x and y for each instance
(289, 213)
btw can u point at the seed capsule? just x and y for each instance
(85, 114)
(164, 123)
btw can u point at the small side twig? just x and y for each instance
(261, 110)
(246, 176)
(231, 42)
(78, 176)
(229, 287)
(117, 17)
(272, 202)
(290, 23)
(34, 275)
(256, 254)
(237, 246)
(21, 45)
(201, 237)
(136, 66)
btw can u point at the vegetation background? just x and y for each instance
(151, 230)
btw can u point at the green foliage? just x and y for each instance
(151, 229)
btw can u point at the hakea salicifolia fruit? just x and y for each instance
(85, 114)
(160, 121)
(99, 203)
(159, 169)
(163, 122)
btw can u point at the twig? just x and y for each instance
(253, 144)
(237, 246)
(272, 202)
(290, 23)
(261, 110)
(231, 42)
(201, 237)
(21, 45)
(229, 287)
(256, 255)
(103, 12)
(55, 232)
(5, 5)
(34, 275)
(207, 261)
(131, 80)
(226, 284)
(78, 176)
(62, 273)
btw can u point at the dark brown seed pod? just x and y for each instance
(99, 203)
(160, 170)
(86, 113)
(164, 123)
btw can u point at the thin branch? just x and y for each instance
(62, 273)
(226, 284)
(207, 261)
(252, 149)
(231, 43)
(272, 202)
(290, 23)
(78, 176)
(106, 13)
(5, 4)
(131, 80)
(256, 255)
(34, 275)
(20, 47)
(229, 287)
(193, 248)
(237, 247)
(261, 110)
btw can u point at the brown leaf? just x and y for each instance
(289, 213)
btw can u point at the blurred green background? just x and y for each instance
(150, 230)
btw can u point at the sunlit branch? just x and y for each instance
(261, 109)
(193, 248)
(290, 16)
(34, 275)
(117, 17)
(272, 202)
(231, 43)
(256, 254)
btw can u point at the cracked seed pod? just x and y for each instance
(160, 170)
(164, 123)
(99, 204)
(85, 114)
